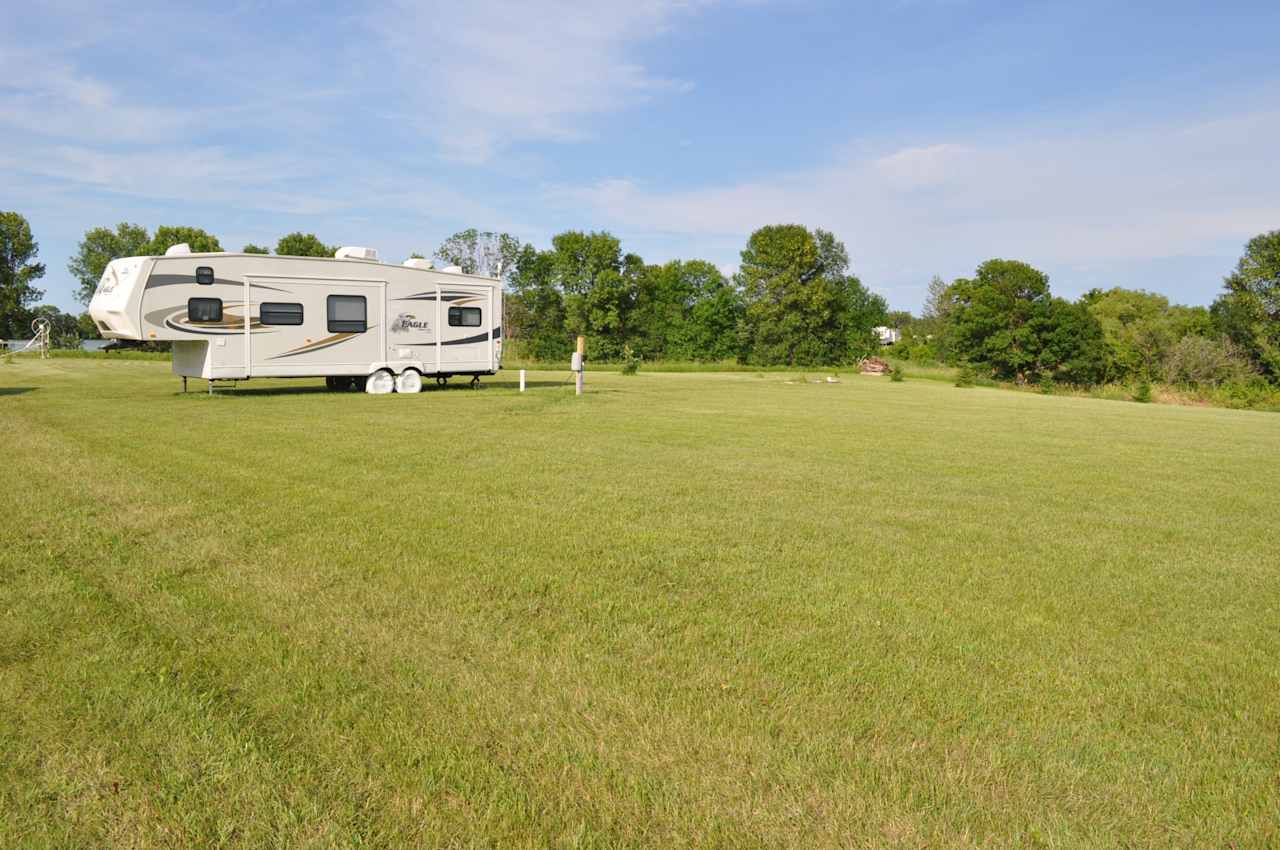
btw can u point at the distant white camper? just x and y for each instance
(356, 322)
(887, 336)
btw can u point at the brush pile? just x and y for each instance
(874, 366)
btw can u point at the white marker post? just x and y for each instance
(577, 365)
(521, 380)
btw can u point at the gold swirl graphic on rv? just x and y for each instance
(177, 319)
(327, 342)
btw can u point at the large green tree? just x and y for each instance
(18, 270)
(1001, 317)
(1004, 318)
(799, 298)
(1075, 350)
(166, 236)
(579, 259)
(582, 285)
(100, 246)
(711, 324)
(481, 252)
(687, 310)
(600, 286)
(300, 244)
(1249, 310)
(867, 310)
(535, 308)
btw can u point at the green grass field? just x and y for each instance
(684, 610)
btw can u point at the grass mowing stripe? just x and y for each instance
(186, 665)
(151, 673)
(174, 670)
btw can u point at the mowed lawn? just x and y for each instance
(711, 610)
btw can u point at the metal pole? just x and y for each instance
(521, 380)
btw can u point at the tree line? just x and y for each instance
(1005, 322)
(793, 301)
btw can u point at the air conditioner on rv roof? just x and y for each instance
(175, 250)
(418, 263)
(351, 252)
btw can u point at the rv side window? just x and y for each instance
(204, 275)
(204, 309)
(275, 313)
(464, 317)
(347, 314)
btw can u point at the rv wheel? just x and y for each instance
(408, 381)
(380, 382)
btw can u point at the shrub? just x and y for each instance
(1046, 384)
(630, 361)
(1254, 392)
(1200, 361)
(897, 374)
(965, 377)
(1143, 393)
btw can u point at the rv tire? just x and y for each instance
(409, 381)
(380, 382)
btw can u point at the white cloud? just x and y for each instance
(1096, 192)
(482, 75)
(912, 168)
(49, 97)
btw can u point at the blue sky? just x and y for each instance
(1108, 144)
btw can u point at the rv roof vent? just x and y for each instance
(351, 252)
(452, 269)
(175, 250)
(418, 263)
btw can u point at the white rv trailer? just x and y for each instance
(352, 320)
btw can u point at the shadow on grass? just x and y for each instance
(515, 385)
(16, 390)
(319, 389)
(229, 391)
